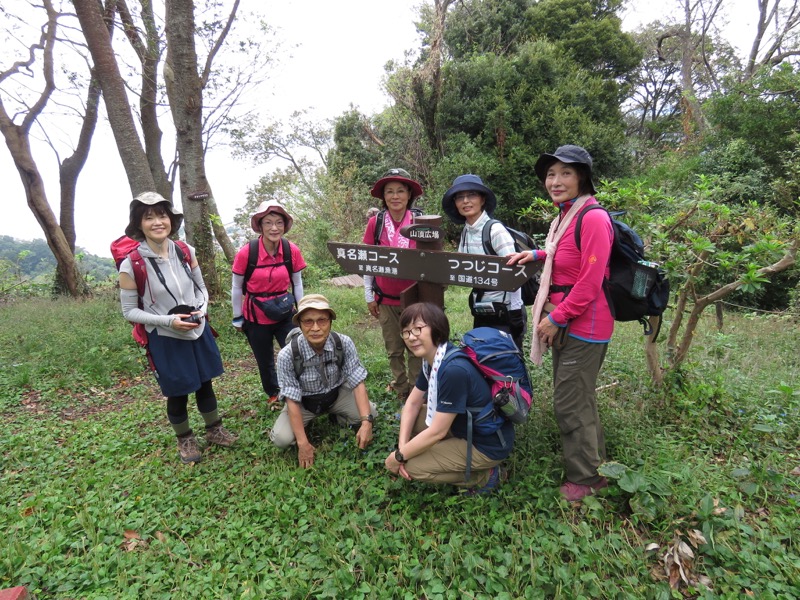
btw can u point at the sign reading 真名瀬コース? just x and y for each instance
(447, 268)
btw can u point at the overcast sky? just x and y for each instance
(337, 55)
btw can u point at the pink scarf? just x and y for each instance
(557, 229)
(393, 233)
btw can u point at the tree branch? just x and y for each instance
(218, 44)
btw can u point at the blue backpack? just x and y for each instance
(496, 356)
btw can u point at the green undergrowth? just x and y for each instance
(95, 504)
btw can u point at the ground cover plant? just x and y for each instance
(95, 504)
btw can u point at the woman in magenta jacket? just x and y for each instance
(397, 191)
(571, 313)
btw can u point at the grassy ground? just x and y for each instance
(95, 504)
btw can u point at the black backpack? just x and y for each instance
(252, 262)
(522, 242)
(297, 358)
(379, 218)
(635, 288)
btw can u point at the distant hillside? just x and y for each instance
(33, 259)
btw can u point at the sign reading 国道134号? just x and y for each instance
(433, 266)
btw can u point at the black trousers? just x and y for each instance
(510, 321)
(262, 339)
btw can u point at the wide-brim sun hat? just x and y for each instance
(267, 207)
(151, 199)
(400, 175)
(569, 155)
(312, 301)
(467, 183)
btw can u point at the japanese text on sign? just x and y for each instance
(359, 254)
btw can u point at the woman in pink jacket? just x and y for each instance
(571, 313)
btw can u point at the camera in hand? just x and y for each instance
(185, 309)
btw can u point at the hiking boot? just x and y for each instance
(575, 492)
(496, 476)
(217, 434)
(188, 449)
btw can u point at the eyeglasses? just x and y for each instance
(321, 322)
(415, 331)
(465, 196)
(270, 224)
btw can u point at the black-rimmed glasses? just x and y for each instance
(415, 331)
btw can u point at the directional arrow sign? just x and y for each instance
(433, 266)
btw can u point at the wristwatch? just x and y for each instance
(398, 456)
(368, 418)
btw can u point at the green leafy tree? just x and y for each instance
(496, 83)
(710, 250)
(764, 110)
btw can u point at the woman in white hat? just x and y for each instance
(171, 306)
(267, 284)
(397, 190)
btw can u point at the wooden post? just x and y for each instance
(423, 291)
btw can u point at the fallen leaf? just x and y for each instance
(161, 537)
(705, 581)
(719, 510)
(684, 550)
(27, 512)
(795, 472)
(131, 545)
(130, 534)
(696, 538)
(749, 593)
(674, 577)
(651, 547)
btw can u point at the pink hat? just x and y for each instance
(400, 175)
(270, 206)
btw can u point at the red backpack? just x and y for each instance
(125, 247)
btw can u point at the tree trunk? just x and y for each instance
(68, 173)
(149, 51)
(184, 90)
(17, 138)
(115, 96)
(221, 235)
(18, 144)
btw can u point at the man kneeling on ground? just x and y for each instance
(319, 372)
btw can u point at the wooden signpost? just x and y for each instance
(430, 266)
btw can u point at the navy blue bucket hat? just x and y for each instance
(569, 155)
(467, 183)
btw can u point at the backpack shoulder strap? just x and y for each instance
(379, 218)
(139, 272)
(297, 358)
(287, 256)
(486, 237)
(185, 257)
(252, 261)
(184, 254)
(580, 222)
(287, 260)
(338, 349)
